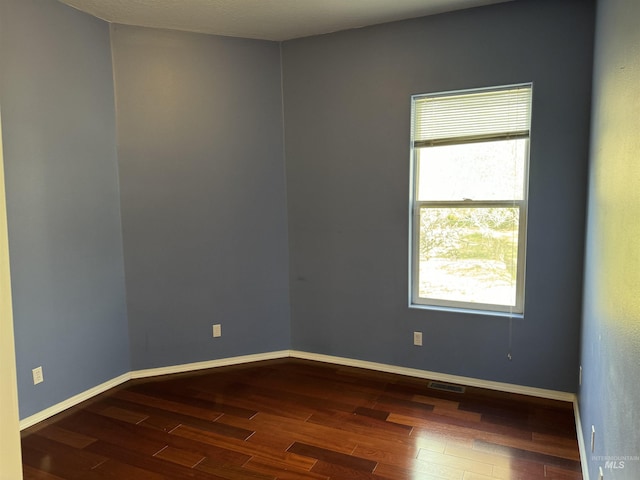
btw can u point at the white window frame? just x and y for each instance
(415, 301)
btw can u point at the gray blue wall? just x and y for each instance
(347, 113)
(609, 397)
(202, 193)
(213, 231)
(58, 120)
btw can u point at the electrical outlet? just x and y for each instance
(37, 375)
(417, 338)
(217, 330)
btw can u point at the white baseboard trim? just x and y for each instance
(222, 362)
(75, 400)
(151, 372)
(442, 377)
(584, 462)
(348, 362)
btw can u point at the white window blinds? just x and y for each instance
(471, 117)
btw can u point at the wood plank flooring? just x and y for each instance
(300, 420)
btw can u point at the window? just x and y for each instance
(470, 163)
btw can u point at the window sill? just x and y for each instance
(466, 311)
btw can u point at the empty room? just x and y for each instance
(319, 239)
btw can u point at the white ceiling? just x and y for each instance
(265, 19)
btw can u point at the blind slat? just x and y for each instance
(484, 113)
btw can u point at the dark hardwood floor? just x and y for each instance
(299, 420)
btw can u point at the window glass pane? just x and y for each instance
(468, 254)
(477, 171)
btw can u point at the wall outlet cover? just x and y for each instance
(37, 375)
